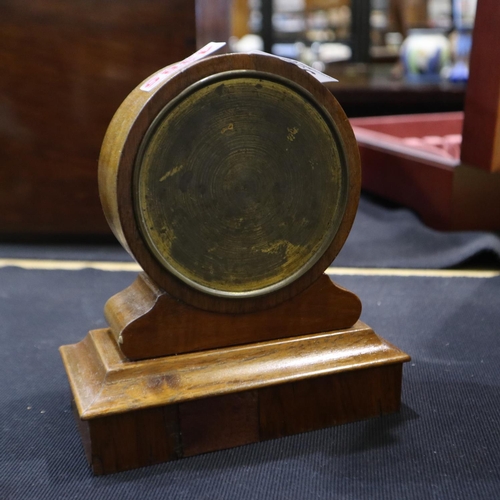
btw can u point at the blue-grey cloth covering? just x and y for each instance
(395, 237)
(381, 237)
(444, 444)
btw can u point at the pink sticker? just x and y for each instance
(165, 73)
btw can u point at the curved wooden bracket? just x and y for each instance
(148, 323)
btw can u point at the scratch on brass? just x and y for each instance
(226, 129)
(174, 171)
(279, 245)
(167, 237)
(292, 132)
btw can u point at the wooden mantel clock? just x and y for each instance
(234, 184)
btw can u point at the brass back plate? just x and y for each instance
(240, 184)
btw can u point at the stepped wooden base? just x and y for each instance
(137, 413)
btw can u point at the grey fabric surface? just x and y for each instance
(380, 237)
(65, 251)
(395, 237)
(445, 443)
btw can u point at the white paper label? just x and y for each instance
(167, 72)
(321, 77)
(211, 47)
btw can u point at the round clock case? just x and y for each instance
(234, 184)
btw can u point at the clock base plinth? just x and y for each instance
(148, 323)
(136, 413)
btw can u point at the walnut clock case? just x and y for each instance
(234, 184)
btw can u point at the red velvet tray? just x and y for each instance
(445, 166)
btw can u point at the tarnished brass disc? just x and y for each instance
(240, 184)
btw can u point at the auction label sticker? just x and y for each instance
(165, 73)
(321, 77)
(211, 47)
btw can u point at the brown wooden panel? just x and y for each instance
(316, 403)
(218, 423)
(146, 437)
(132, 440)
(149, 436)
(65, 67)
(481, 133)
(213, 21)
(476, 199)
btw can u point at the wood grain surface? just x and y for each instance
(149, 323)
(104, 382)
(213, 21)
(65, 67)
(481, 133)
